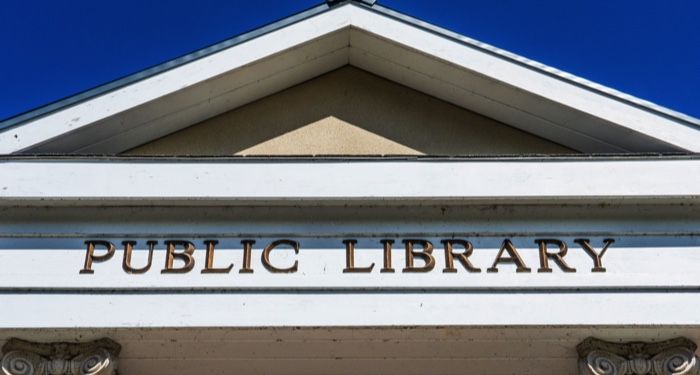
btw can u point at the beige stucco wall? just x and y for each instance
(349, 112)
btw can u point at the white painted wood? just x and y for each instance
(148, 182)
(529, 80)
(517, 94)
(657, 249)
(655, 262)
(630, 262)
(259, 83)
(161, 86)
(320, 320)
(29, 310)
(209, 98)
(439, 79)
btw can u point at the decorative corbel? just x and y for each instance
(22, 357)
(671, 357)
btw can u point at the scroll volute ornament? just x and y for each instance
(29, 358)
(671, 357)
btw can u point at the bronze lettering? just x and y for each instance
(549, 250)
(209, 261)
(350, 259)
(463, 258)
(272, 246)
(387, 256)
(513, 257)
(425, 255)
(247, 256)
(557, 257)
(597, 257)
(128, 249)
(90, 254)
(185, 256)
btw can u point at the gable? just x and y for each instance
(349, 112)
(510, 89)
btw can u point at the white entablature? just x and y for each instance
(122, 245)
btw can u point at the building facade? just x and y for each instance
(350, 191)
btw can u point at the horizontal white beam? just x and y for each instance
(347, 309)
(28, 181)
(630, 266)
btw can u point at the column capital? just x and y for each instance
(99, 357)
(670, 357)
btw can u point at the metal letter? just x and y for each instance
(209, 262)
(247, 254)
(387, 256)
(514, 257)
(128, 249)
(597, 257)
(350, 259)
(185, 256)
(425, 255)
(273, 245)
(558, 257)
(461, 257)
(90, 254)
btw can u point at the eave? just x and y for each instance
(511, 89)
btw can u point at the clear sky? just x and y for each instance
(53, 49)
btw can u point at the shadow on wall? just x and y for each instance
(345, 112)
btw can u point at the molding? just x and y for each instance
(670, 357)
(452, 68)
(97, 357)
(338, 2)
(94, 92)
(351, 309)
(65, 182)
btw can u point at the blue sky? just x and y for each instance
(53, 49)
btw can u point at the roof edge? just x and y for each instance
(151, 71)
(552, 158)
(542, 68)
(370, 5)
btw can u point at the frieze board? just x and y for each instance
(374, 263)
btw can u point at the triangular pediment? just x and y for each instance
(510, 92)
(349, 112)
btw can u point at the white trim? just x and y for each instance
(347, 309)
(597, 107)
(459, 72)
(116, 104)
(150, 182)
(630, 266)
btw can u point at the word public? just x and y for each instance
(456, 251)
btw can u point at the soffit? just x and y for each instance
(495, 350)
